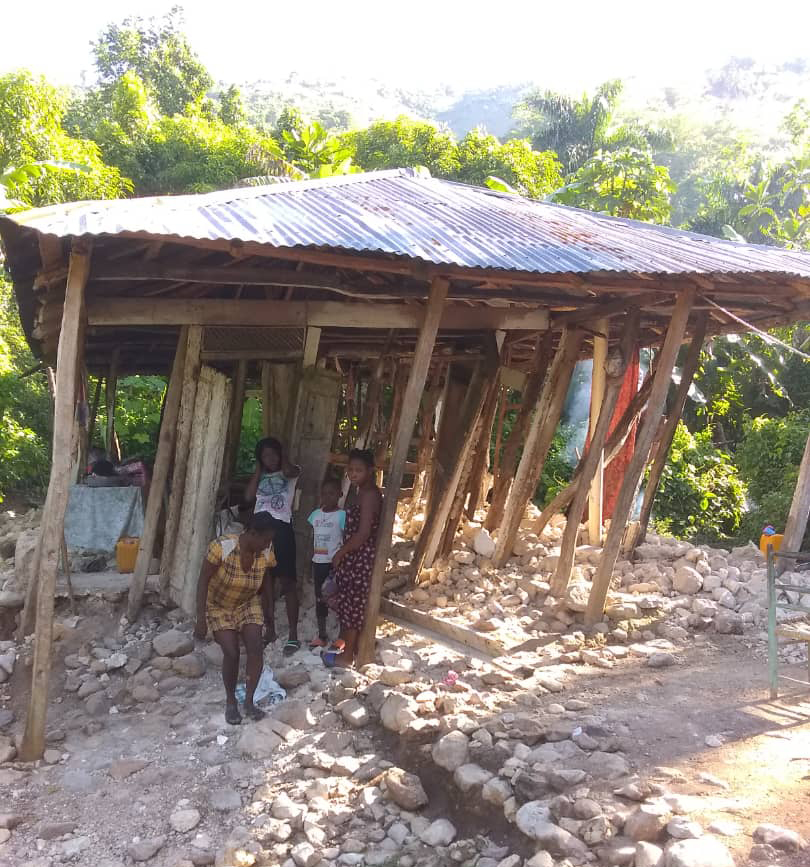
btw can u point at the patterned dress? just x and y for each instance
(233, 594)
(353, 575)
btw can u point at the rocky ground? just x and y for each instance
(648, 740)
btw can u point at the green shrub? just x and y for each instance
(700, 492)
(557, 470)
(25, 408)
(769, 456)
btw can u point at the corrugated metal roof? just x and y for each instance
(405, 213)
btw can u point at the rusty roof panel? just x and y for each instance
(405, 213)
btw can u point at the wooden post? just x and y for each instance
(592, 463)
(690, 366)
(429, 403)
(191, 377)
(163, 457)
(627, 492)
(111, 440)
(509, 460)
(600, 353)
(399, 454)
(501, 415)
(481, 458)
(799, 510)
(538, 441)
(278, 399)
(311, 342)
(235, 422)
(53, 515)
(91, 424)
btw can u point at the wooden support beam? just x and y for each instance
(614, 370)
(160, 474)
(799, 510)
(428, 413)
(311, 341)
(442, 524)
(508, 461)
(598, 374)
(188, 396)
(91, 424)
(235, 423)
(481, 458)
(279, 393)
(300, 314)
(632, 477)
(53, 514)
(111, 441)
(399, 454)
(690, 366)
(538, 441)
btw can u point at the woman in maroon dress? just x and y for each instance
(354, 561)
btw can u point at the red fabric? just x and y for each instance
(615, 471)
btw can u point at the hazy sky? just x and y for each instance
(421, 43)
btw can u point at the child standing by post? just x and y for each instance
(328, 524)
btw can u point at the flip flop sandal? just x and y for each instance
(316, 643)
(291, 647)
(337, 646)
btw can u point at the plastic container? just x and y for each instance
(772, 539)
(126, 553)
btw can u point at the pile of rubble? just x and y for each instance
(671, 590)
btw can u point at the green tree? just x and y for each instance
(50, 165)
(575, 129)
(158, 52)
(624, 183)
(529, 172)
(405, 143)
(232, 107)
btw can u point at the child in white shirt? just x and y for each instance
(328, 524)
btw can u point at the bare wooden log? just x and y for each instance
(410, 408)
(53, 515)
(91, 424)
(614, 369)
(509, 459)
(481, 458)
(160, 474)
(600, 354)
(690, 366)
(428, 413)
(799, 510)
(111, 440)
(632, 477)
(538, 441)
(191, 378)
(235, 423)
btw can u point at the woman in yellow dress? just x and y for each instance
(229, 603)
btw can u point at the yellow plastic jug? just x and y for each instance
(126, 553)
(774, 540)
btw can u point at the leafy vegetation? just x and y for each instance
(154, 122)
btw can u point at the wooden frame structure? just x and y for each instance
(315, 289)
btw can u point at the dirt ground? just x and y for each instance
(760, 773)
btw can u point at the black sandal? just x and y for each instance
(232, 715)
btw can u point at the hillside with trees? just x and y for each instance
(732, 160)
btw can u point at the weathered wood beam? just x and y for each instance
(399, 454)
(53, 515)
(690, 366)
(481, 458)
(111, 385)
(598, 385)
(300, 314)
(507, 464)
(538, 441)
(160, 474)
(229, 459)
(191, 378)
(614, 369)
(799, 510)
(632, 476)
